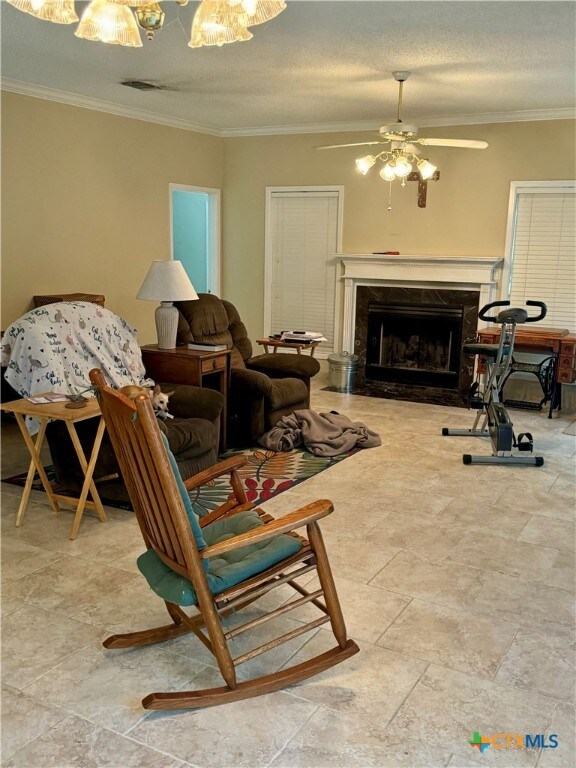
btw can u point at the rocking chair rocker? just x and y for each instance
(219, 563)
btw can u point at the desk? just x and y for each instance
(58, 411)
(190, 366)
(557, 341)
(278, 343)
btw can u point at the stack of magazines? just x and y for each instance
(302, 337)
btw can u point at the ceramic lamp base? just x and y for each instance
(166, 317)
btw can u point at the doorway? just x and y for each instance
(195, 234)
(303, 240)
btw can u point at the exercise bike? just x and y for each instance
(494, 418)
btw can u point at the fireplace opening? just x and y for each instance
(415, 344)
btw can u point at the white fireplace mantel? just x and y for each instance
(476, 273)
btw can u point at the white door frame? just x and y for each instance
(516, 188)
(213, 226)
(309, 190)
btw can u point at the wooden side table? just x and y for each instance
(70, 416)
(556, 341)
(277, 344)
(190, 366)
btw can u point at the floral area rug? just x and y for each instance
(266, 474)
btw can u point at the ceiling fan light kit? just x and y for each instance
(215, 22)
(400, 157)
(427, 170)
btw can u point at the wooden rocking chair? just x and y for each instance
(219, 563)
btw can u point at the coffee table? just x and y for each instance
(45, 412)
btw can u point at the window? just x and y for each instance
(303, 236)
(541, 253)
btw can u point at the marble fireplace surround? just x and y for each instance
(468, 282)
(466, 273)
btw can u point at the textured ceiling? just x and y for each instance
(319, 63)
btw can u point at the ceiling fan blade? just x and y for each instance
(464, 143)
(359, 144)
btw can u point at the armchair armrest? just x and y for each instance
(188, 401)
(222, 468)
(281, 364)
(303, 516)
(250, 382)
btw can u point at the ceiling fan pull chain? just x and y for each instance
(390, 197)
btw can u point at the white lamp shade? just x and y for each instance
(167, 281)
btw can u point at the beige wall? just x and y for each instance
(466, 211)
(85, 203)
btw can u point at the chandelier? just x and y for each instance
(215, 22)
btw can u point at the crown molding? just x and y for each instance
(87, 102)
(527, 115)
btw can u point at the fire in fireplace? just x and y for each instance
(414, 344)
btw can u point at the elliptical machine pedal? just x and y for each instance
(492, 419)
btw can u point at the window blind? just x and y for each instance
(304, 228)
(544, 255)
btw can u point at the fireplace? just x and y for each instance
(414, 344)
(410, 343)
(407, 318)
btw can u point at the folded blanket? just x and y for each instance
(322, 434)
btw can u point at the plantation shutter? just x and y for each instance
(544, 255)
(304, 239)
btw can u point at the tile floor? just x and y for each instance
(456, 581)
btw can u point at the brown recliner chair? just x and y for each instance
(192, 435)
(262, 388)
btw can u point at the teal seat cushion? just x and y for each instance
(224, 571)
(221, 572)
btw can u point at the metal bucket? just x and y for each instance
(343, 369)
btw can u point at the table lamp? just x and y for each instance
(167, 282)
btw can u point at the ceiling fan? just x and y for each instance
(401, 142)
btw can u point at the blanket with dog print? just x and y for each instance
(53, 348)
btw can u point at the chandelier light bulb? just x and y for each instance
(249, 6)
(401, 166)
(388, 173)
(58, 11)
(216, 22)
(427, 170)
(108, 22)
(251, 12)
(365, 163)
